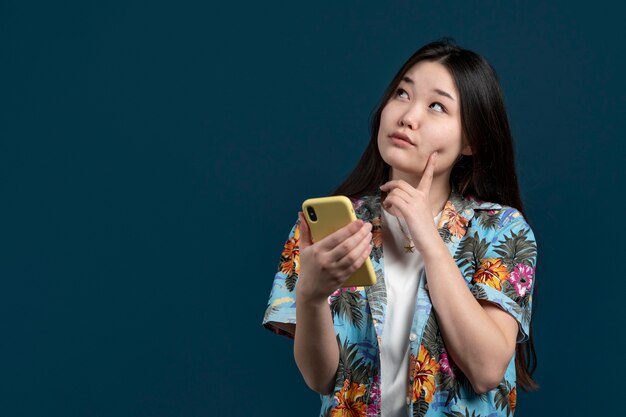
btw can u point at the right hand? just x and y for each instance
(326, 264)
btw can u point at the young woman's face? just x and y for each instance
(422, 116)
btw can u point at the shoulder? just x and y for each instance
(493, 216)
(503, 231)
(465, 216)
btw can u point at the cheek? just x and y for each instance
(449, 141)
(384, 117)
(449, 148)
(381, 147)
(383, 128)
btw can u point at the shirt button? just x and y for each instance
(408, 400)
(413, 337)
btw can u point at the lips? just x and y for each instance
(401, 136)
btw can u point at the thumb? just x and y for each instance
(305, 232)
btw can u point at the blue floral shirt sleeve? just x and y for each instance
(281, 307)
(504, 264)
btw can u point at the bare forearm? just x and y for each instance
(315, 347)
(476, 343)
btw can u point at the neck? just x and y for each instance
(439, 189)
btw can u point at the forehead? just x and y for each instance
(430, 75)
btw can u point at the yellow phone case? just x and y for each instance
(332, 213)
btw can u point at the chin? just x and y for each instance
(410, 170)
(403, 164)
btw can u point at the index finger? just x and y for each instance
(305, 232)
(427, 175)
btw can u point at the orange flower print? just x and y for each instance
(290, 257)
(423, 369)
(492, 272)
(377, 235)
(453, 221)
(292, 244)
(286, 265)
(350, 400)
(289, 248)
(513, 399)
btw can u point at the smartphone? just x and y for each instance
(326, 215)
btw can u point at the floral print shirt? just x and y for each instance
(495, 251)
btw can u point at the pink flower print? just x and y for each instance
(522, 278)
(373, 403)
(444, 364)
(338, 291)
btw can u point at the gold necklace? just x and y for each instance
(409, 246)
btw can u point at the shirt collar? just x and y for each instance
(466, 206)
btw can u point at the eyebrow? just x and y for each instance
(436, 90)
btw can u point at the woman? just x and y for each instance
(445, 331)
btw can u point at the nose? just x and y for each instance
(410, 118)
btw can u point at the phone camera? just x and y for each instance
(311, 213)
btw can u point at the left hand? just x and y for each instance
(413, 204)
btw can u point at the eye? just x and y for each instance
(438, 107)
(401, 92)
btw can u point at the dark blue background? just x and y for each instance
(154, 156)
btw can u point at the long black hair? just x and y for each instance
(488, 174)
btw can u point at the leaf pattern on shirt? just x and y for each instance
(445, 234)
(431, 339)
(488, 219)
(420, 407)
(377, 295)
(503, 398)
(347, 304)
(517, 248)
(470, 250)
(459, 414)
(353, 366)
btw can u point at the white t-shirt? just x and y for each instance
(402, 270)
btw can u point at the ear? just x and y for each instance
(467, 150)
